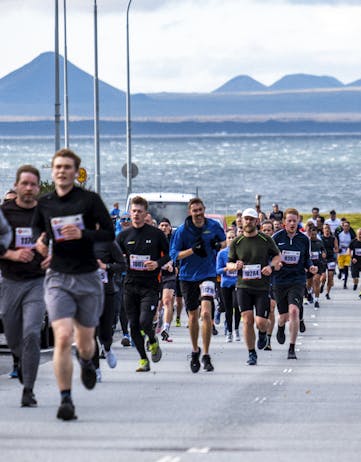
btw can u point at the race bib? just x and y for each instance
(357, 252)
(251, 272)
(232, 274)
(58, 223)
(314, 256)
(331, 265)
(103, 275)
(290, 257)
(137, 262)
(24, 238)
(208, 289)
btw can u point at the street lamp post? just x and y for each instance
(57, 89)
(128, 113)
(96, 103)
(66, 107)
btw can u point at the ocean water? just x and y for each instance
(228, 172)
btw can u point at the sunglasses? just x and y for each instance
(125, 220)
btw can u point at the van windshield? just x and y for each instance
(176, 212)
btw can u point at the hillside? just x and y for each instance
(28, 93)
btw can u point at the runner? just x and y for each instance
(147, 250)
(267, 229)
(318, 257)
(168, 285)
(22, 294)
(333, 221)
(354, 251)
(344, 258)
(73, 219)
(195, 244)
(289, 282)
(253, 255)
(111, 264)
(228, 292)
(331, 246)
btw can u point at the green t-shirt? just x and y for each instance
(256, 252)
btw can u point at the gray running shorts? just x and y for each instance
(77, 296)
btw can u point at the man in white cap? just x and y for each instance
(253, 255)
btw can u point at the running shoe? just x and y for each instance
(329, 298)
(252, 358)
(14, 373)
(321, 288)
(195, 364)
(125, 340)
(143, 366)
(268, 347)
(155, 351)
(165, 336)
(229, 337)
(359, 295)
(237, 337)
(88, 375)
(28, 399)
(354, 286)
(302, 326)
(66, 409)
(262, 340)
(178, 322)
(291, 354)
(281, 337)
(214, 330)
(207, 365)
(111, 358)
(310, 297)
(316, 305)
(99, 374)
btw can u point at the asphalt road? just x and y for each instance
(280, 410)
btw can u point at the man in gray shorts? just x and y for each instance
(22, 295)
(72, 219)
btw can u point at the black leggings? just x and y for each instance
(140, 305)
(105, 327)
(231, 306)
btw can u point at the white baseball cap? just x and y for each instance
(250, 213)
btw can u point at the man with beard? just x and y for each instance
(22, 293)
(253, 255)
(195, 244)
(289, 282)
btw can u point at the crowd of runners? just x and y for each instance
(64, 256)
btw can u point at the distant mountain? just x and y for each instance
(28, 92)
(305, 82)
(241, 83)
(357, 83)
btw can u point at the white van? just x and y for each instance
(173, 206)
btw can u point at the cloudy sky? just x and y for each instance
(191, 45)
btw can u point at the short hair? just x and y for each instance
(65, 152)
(315, 208)
(267, 222)
(27, 168)
(290, 211)
(195, 200)
(139, 200)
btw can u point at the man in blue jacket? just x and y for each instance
(195, 244)
(289, 281)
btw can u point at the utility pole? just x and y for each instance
(57, 90)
